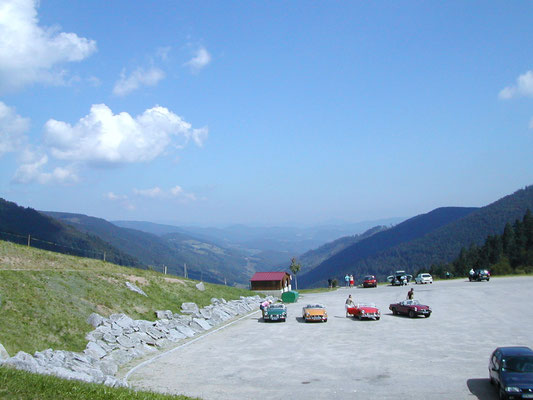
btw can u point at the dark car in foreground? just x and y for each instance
(479, 275)
(370, 281)
(412, 308)
(511, 370)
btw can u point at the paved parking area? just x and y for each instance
(442, 357)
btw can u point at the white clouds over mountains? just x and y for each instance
(28, 52)
(102, 137)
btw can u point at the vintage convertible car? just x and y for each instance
(275, 312)
(315, 312)
(370, 281)
(364, 310)
(412, 308)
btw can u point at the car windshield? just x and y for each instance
(314, 306)
(360, 305)
(425, 276)
(519, 364)
(411, 302)
(369, 278)
(277, 306)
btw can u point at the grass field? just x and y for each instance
(22, 385)
(46, 297)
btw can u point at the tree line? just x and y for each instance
(508, 253)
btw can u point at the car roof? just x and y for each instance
(515, 351)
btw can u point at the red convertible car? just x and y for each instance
(364, 310)
(370, 281)
(412, 308)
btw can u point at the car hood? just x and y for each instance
(315, 311)
(521, 379)
(277, 311)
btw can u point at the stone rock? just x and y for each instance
(205, 313)
(125, 322)
(186, 330)
(167, 314)
(174, 335)
(135, 288)
(95, 320)
(189, 308)
(23, 361)
(4, 355)
(202, 323)
(125, 341)
(94, 350)
(109, 338)
(120, 356)
(200, 286)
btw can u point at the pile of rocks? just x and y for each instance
(119, 339)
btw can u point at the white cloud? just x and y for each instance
(12, 129)
(138, 78)
(28, 52)
(523, 87)
(531, 124)
(113, 196)
(178, 192)
(200, 60)
(31, 170)
(121, 199)
(103, 138)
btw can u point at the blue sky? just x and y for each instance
(211, 113)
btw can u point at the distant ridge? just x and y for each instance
(441, 242)
(47, 233)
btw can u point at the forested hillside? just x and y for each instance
(508, 253)
(17, 223)
(352, 259)
(439, 245)
(312, 258)
(203, 260)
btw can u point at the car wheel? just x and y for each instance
(377, 318)
(469, 279)
(492, 381)
(394, 312)
(501, 394)
(325, 320)
(411, 314)
(488, 279)
(428, 315)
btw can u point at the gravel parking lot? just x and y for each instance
(442, 357)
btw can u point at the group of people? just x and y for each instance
(348, 279)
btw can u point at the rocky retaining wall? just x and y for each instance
(119, 339)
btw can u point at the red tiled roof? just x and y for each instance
(268, 276)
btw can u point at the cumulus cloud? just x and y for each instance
(32, 170)
(104, 138)
(12, 129)
(523, 87)
(138, 78)
(28, 52)
(200, 60)
(177, 191)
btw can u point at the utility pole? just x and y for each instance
(184, 270)
(104, 256)
(165, 269)
(29, 240)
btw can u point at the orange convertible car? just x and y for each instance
(315, 312)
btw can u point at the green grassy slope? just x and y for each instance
(46, 297)
(24, 385)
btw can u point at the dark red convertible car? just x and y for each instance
(412, 308)
(364, 310)
(370, 281)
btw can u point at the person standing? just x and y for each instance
(351, 281)
(411, 294)
(347, 280)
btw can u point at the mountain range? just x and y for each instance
(419, 242)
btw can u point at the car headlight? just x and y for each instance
(512, 389)
(416, 309)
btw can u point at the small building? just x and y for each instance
(271, 282)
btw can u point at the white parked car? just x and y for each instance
(424, 278)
